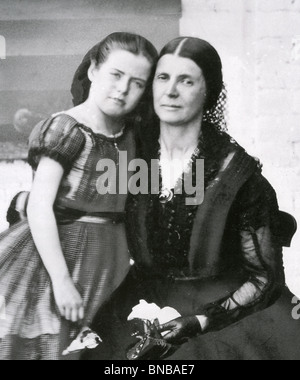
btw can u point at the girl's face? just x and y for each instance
(179, 90)
(119, 83)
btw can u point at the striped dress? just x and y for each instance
(96, 254)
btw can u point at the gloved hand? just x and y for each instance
(181, 329)
(151, 345)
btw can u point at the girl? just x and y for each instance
(59, 265)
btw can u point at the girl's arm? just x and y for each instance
(44, 230)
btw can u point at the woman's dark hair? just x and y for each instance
(206, 57)
(132, 43)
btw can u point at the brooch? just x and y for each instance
(165, 196)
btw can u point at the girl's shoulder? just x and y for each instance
(58, 137)
(61, 123)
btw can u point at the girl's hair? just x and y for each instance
(132, 43)
(206, 57)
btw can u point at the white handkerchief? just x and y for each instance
(150, 312)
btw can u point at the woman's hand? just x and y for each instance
(181, 329)
(68, 299)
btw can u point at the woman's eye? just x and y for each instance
(162, 78)
(187, 82)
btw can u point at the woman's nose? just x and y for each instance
(172, 91)
(123, 86)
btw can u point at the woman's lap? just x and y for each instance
(271, 334)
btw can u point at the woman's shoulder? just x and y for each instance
(222, 152)
(257, 196)
(257, 186)
(257, 205)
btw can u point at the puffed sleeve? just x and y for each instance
(58, 138)
(256, 214)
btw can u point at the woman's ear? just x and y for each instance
(91, 71)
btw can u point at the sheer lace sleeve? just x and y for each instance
(256, 211)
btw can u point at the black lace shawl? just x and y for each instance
(249, 244)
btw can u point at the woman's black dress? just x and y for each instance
(222, 259)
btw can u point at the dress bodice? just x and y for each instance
(80, 150)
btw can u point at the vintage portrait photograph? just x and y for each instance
(149, 182)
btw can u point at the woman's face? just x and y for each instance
(119, 83)
(179, 90)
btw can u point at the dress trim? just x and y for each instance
(111, 138)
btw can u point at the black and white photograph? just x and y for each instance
(149, 182)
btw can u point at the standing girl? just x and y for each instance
(58, 266)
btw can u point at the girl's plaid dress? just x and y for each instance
(96, 254)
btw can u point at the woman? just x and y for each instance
(60, 265)
(217, 262)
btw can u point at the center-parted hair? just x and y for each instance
(206, 57)
(132, 43)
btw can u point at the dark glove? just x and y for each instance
(181, 329)
(151, 345)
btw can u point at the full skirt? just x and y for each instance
(30, 324)
(271, 334)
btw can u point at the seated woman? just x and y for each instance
(218, 263)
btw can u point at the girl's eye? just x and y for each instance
(139, 85)
(116, 75)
